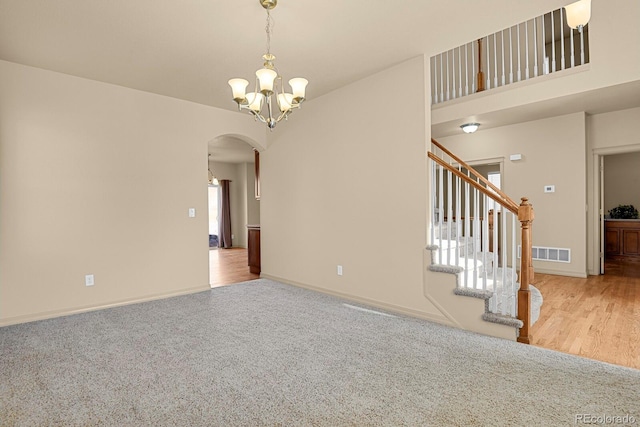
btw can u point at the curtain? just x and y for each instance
(224, 236)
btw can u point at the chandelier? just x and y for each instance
(269, 86)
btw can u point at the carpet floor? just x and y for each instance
(262, 353)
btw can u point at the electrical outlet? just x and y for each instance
(233, 236)
(339, 270)
(88, 280)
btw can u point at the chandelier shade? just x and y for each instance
(269, 86)
(578, 14)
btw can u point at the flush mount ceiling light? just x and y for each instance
(470, 127)
(578, 14)
(269, 86)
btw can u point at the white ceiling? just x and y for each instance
(188, 49)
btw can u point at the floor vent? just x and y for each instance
(542, 253)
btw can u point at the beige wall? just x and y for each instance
(553, 152)
(348, 186)
(607, 134)
(98, 179)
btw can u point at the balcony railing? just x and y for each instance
(539, 46)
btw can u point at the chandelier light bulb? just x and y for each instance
(255, 100)
(266, 77)
(285, 101)
(298, 87)
(238, 87)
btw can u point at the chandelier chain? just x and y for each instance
(269, 30)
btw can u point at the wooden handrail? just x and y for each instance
(474, 184)
(506, 200)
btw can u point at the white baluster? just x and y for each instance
(494, 255)
(545, 58)
(441, 80)
(514, 261)
(503, 55)
(562, 65)
(453, 73)
(434, 86)
(473, 68)
(495, 61)
(526, 50)
(553, 43)
(460, 71)
(573, 56)
(448, 86)
(510, 57)
(488, 66)
(505, 288)
(485, 241)
(458, 223)
(467, 232)
(519, 66)
(441, 213)
(582, 47)
(449, 214)
(475, 234)
(434, 205)
(466, 70)
(535, 49)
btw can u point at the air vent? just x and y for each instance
(543, 253)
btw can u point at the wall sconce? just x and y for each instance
(470, 127)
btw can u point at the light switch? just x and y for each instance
(192, 212)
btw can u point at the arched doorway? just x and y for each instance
(231, 163)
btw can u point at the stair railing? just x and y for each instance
(474, 227)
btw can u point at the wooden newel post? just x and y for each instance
(525, 216)
(480, 73)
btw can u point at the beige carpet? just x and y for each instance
(267, 354)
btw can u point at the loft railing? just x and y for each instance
(539, 46)
(475, 227)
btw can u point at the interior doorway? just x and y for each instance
(619, 234)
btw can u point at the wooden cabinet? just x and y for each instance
(254, 248)
(622, 238)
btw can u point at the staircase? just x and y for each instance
(482, 238)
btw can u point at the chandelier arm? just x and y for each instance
(258, 116)
(269, 109)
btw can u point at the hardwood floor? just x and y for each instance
(228, 266)
(597, 317)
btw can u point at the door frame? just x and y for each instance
(596, 222)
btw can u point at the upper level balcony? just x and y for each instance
(540, 46)
(539, 68)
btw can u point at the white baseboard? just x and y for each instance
(582, 275)
(374, 303)
(66, 312)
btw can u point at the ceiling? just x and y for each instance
(188, 49)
